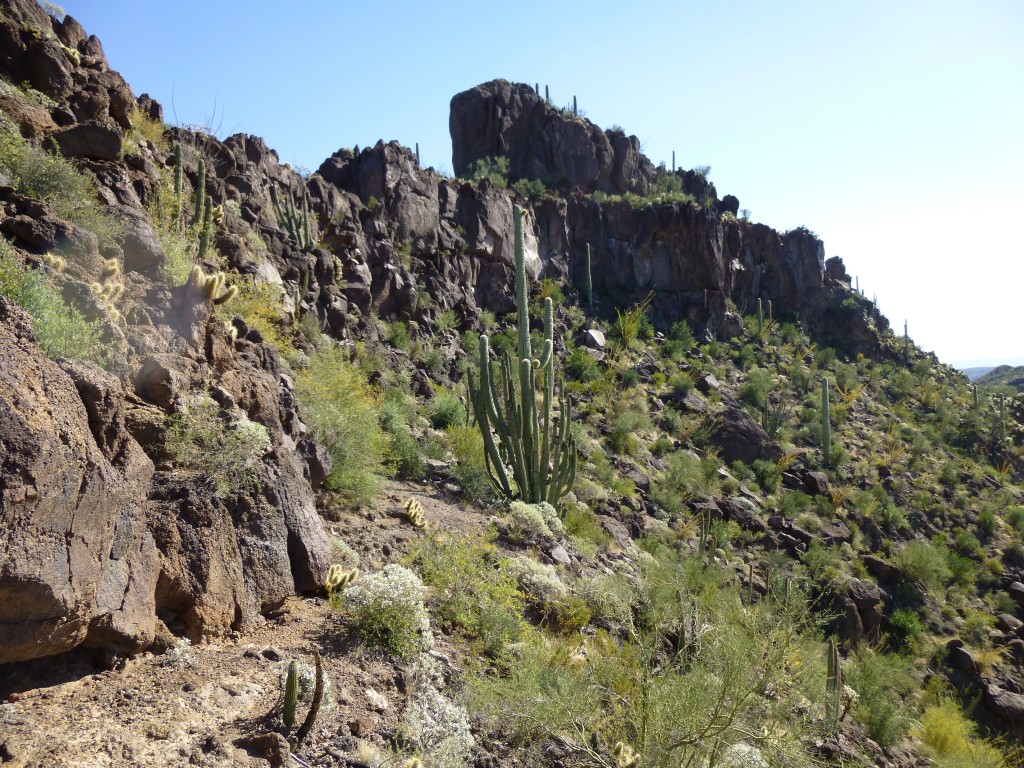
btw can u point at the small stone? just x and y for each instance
(594, 339)
(559, 555)
(272, 747)
(378, 702)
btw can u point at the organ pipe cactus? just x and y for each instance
(201, 200)
(530, 452)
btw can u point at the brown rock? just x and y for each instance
(272, 747)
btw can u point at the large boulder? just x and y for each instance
(77, 562)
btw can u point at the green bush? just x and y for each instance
(343, 412)
(225, 450)
(48, 176)
(388, 611)
(925, 564)
(755, 389)
(905, 627)
(881, 681)
(494, 169)
(467, 448)
(60, 329)
(685, 477)
(396, 415)
(446, 410)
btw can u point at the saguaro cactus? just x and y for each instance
(588, 283)
(533, 442)
(833, 688)
(826, 424)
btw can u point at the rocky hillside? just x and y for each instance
(223, 378)
(1003, 375)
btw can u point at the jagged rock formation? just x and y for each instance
(503, 119)
(143, 544)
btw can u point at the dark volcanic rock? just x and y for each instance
(541, 142)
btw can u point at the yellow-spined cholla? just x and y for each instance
(338, 578)
(231, 330)
(414, 514)
(110, 287)
(210, 286)
(54, 262)
(625, 757)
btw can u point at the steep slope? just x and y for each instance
(255, 351)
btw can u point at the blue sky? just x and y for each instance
(892, 130)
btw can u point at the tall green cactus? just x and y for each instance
(826, 424)
(535, 443)
(588, 284)
(291, 695)
(200, 195)
(833, 688)
(178, 183)
(298, 224)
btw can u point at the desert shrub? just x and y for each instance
(755, 389)
(881, 681)
(531, 520)
(768, 474)
(582, 525)
(48, 176)
(471, 590)
(949, 739)
(582, 366)
(905, 627)
(467, 448)
(925, 564)
(404, 457)
(224, 449)
(388, 611)
(626, 420)
(446, 410)
(685, 476)
(614, 688)
(436, 726)
(145, 129)
(988, 522)
(60, 329)
(494, 169)
(538, 581)
(343, 412)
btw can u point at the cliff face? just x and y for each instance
(110, 543)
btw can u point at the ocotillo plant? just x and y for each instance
(588, 285)
(833, 688)
(826, 424)
(533, 442)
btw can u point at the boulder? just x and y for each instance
(92, 140)
(143, 251)
(78, 563)
(741, 438)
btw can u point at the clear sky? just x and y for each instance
(891, 129)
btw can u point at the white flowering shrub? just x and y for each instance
(387, 608)
(533, 520)
(435, 725)
(538, 581)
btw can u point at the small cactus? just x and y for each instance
(413, 762)
(414, 514)
(110, 269)
(210, 286)
(231, 330)
(54, 262)
(338, 579)
(291, 695)
(624, 755)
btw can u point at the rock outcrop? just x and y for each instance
(503, 119)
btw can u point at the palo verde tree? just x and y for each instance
(529, 450)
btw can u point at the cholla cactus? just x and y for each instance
(209, 286)
(624, 755)
(338, 578)
(414, 514)
(54, 262)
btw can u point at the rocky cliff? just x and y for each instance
(109, 541)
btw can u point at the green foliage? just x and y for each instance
(691, 667)
(949, 738)
(533, 190)
(467, 448)
(388, 611)
(680, 341)
(493, 169)
(224, 449)
(882, 681)
(905, 627)
(755, 390)
(446, 410)
(61, 330)
(925, 564)
(145, 129)
(397, 412)
(685, 476)
(471, 590)
(48, 176)
(633, 323)
(343, 412)
(582, 366)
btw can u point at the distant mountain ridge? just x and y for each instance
(1008, 375)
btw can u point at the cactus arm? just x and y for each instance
(291, 691)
